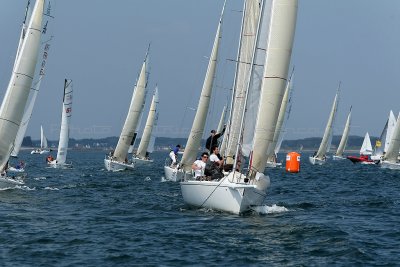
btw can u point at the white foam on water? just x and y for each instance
(265, 209)
(40, 178)
(147, 179)
(51, 188)
(163, 179)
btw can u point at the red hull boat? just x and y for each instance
(361, 159)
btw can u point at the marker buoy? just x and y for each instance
(293, 162)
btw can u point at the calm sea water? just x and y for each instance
(337, 214)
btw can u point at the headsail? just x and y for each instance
(145, 140)
(345, 136)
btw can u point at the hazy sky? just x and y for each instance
(101, 44)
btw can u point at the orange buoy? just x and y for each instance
(293, 162)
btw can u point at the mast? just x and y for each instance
(196, 133)
(248, 39)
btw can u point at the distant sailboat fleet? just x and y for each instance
(230, 176)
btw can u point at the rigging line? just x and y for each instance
(213, 191)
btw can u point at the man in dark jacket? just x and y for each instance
(212, 140)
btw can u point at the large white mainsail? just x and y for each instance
(132, 119)
(146, 136)
(345, 137)
(15, 99)
(118, 161)
(327, 138)
(196, 132)
(281, 35)
(366, 147)
(248, 39)
(65, 121)
(43, 139)
(394, 146)
(383, 142)
(177, 173)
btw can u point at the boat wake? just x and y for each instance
(264, 209)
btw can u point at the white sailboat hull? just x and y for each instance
(390, 165)
(271, 164)
(338, 158)
(140, 162)
(317, 161)
(115, 166)
(173, 174)
(44, 151)
(57, 165)
(227, 196)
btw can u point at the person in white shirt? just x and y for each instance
(215, 156)
(199, 165)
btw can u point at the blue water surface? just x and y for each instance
(337, 214)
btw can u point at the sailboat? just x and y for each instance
(60, 161)
(28, 111)
(43, 144)
(176, 173)
(319, 157)
(142, 154)
(365, 152)
(15, 99)
(390, 160)
(343, 141)
(383, 142)
(284, 113)
(118, 160)
(238, 192)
